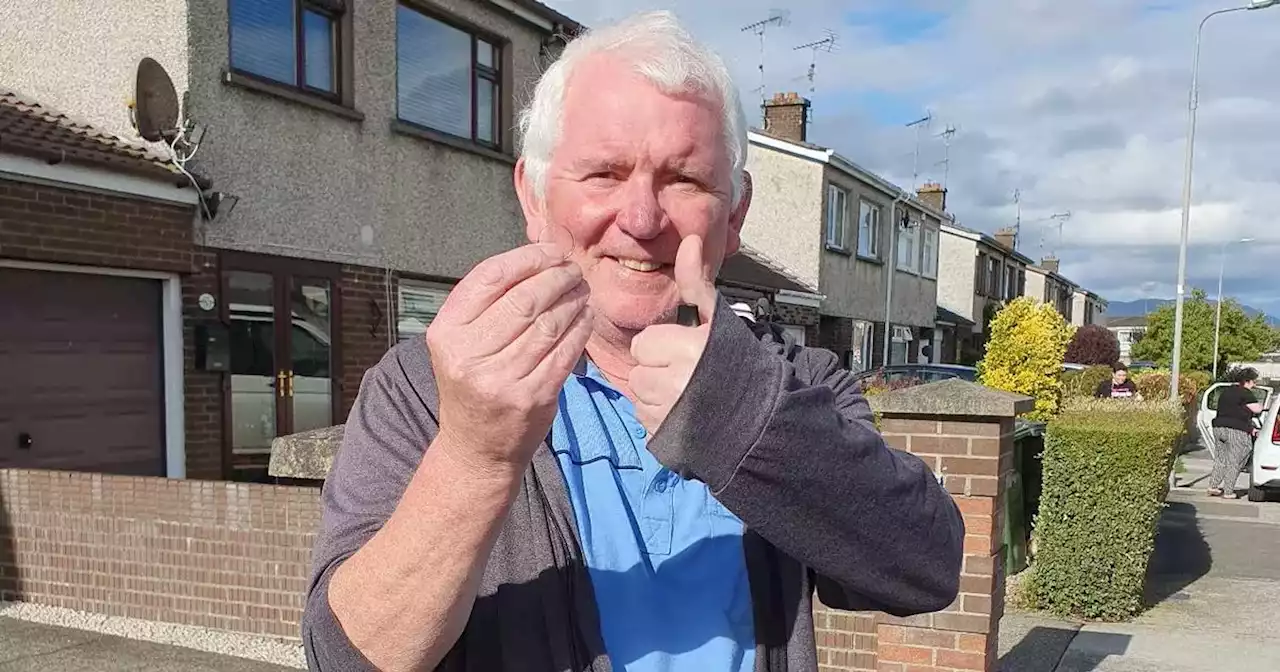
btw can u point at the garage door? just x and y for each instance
(81, 369)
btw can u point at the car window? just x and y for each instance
(1261, 394)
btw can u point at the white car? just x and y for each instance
(1264, 472)
(1204, 423)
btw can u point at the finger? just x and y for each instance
(661, 345)
(693, 278)
(519, 309)
(648, 384)
(529, 348)
(491, 278)
(556, 366)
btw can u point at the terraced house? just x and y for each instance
(367, 149)
(869, 247)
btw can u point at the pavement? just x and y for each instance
(1214, 582)
(27, 646)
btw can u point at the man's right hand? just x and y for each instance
(502, 346)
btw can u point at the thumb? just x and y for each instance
(693, 278)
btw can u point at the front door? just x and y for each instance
(281, 314)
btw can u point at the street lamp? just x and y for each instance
(1217, 318)
(1186, 188)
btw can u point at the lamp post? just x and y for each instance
(1186, 187)
(1217, 318)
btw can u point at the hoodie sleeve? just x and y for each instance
(789, 446)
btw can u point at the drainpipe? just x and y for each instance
(893, 273)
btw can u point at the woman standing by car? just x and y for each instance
(1233, 432)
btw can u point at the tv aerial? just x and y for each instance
(777, 17)
(158, 116)
(827, 44)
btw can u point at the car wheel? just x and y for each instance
(1257, 494)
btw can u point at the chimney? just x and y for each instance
(934, 195)
(1049, 264)
(1006, 237)
(786, 117)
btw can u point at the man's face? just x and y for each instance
(634, 172)
(1119, 377)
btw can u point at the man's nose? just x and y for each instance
(640, 214)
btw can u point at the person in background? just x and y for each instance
(1119, 387)
(1233, 432)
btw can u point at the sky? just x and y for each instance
(1078, 106)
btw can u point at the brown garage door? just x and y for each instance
(80, 373)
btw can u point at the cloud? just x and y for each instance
(1082, 106)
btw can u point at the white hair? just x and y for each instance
(660, 50)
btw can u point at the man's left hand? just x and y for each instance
(667, 354)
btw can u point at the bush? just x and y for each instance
(1084, 383)
(1024, 354)
(1093, 344)
(1202, 379)
(1106, 471)
(1154, 386)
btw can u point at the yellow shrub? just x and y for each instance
(1024, 354)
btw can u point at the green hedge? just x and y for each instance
(1084, 382)
(1106, 470)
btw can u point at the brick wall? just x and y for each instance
(364, 327)
(202, 390)
(232, 556)
(55, 225)
(786, 117)
(789, 313)
(974, 455)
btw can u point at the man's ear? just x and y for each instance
(530, 204)
(738, 217)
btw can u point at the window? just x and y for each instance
(908, 255)
(417, 305)
(929, 252)
(868, 230)
(447, 79)
(837, 211)
(1011, 282)
(291, 42)
(993, 277)
(860, 347)
(252, 345)
(980, 275)
(310, 354)
(1022, 282)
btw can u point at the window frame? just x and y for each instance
(842, 243)
(418, 284)
(909, 233)
(929, 242)
(495, 75)
(338, 12)
(873, 230)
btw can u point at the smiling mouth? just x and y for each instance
(639, 265)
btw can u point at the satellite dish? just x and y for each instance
(156, 101)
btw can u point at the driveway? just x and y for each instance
(1214, 580)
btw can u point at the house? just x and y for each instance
(978, 274)
(96, 254)
(1128, 330)
(832, 223)
(760, 287)
(1087, 308)
(1045, 284)
(369, 169)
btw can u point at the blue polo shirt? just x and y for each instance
(665, 558)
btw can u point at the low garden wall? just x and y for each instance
(231, 556)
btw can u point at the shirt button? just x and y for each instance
(639, 432)
(660, 486)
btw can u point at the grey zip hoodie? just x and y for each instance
(780, 435)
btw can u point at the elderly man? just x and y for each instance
(562, 478)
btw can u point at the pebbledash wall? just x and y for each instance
(235, 556)
(65, 226)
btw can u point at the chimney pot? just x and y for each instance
(1006, 237)
(786, 117)
(1049, 264)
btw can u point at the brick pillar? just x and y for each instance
(363, 328)
(964, 432)
(203, 390)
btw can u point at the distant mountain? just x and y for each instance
(1141, 307)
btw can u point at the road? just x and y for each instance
(1215, 580)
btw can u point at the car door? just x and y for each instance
(1209, 410)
